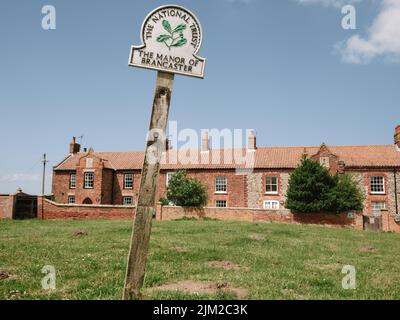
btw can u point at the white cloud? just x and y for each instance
(19, 177)
(383, 38)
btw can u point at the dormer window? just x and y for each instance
(89, 163)
(324, 162)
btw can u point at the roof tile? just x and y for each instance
(263, 158)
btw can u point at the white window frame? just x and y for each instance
(277, 185)
(219, 184)
(72, 181)
(217, 206)
(272, 203)
(376, 209)
(371, 183)
(168, 177)
(131, 180)
(324, 162)
(124, 198)
(86, 181)
(70, 199)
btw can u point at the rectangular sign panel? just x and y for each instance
(171, 37)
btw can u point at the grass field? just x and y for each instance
(262, 261)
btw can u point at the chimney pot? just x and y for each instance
(252, 145)
(74, 147)
(205, 142)
(168, 144)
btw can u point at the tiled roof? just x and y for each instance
(263, 157)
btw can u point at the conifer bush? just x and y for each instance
(312, 189)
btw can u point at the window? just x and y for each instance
(72, 181)
(88, 180)
(71, 199)
(271, 185)
(377, 184)
(221, 204)
(324, 161)
(127, 201)
(376, 207)
(169, 177)
(128, 181)
(271, 205)
(220, 185)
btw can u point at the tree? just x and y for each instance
(184, 191)
(345, 195)
(313, 189)
(309, 187)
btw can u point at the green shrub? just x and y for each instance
(184, 191)
(345, 196)
(312, 189)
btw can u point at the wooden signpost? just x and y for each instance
(171, 38)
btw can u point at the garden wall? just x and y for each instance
(389, 223)
(48, 210)
(6, 206)
(260, 215)
(51, 210)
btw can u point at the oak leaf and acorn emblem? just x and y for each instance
(175, 37)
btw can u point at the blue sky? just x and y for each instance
(284, 68)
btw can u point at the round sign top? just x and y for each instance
(171, 37)
(174, 26)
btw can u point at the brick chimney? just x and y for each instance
(397, 136)
(205, 142)
(252, 145)
(74, 147)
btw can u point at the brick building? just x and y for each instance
(113, 177)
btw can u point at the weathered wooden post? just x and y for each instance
(171, 38)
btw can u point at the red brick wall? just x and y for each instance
(236, 186)
(119, 190)
(388, 222)
(106, 192)
(6, 206)
(333, 159)
(376, 197)
(95, 194)
(254, 215)
(107, 187)
(266, 196)
(49, 210)
(60, 186)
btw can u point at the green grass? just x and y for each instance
(291, 262)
